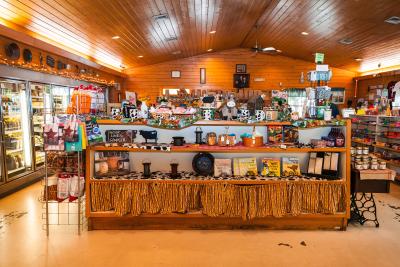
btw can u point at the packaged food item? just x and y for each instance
(222, 167)
(76, 187)
(271, 167)
(245, 166)
(93, 133)
(275, 134)
(51, 189)
(290, 134)
(63, 186)
(290, 166)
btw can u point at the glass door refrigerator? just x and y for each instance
(16, 139)
(60, 96)
(40, 96)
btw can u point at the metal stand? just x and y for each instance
(65, 213)
(363, 208)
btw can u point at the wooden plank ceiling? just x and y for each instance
(87, 27)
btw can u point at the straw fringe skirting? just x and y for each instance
(277, 198)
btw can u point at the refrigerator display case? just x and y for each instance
(16, 143)
(60, 96)
(40, 97)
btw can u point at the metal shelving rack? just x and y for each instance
(374, 127)
(66, 212)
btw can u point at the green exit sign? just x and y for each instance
(319, 58)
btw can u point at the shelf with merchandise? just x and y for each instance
(99, 192)
(385, 141)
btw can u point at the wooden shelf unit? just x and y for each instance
(217, 149)
(200, 123)
(375, 121)
(109, 220)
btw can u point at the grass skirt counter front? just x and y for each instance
(198, 202)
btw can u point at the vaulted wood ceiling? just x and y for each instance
(86, 27)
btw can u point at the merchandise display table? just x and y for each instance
(364, 184)
(131, 201)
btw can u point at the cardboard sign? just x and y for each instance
(120, 136)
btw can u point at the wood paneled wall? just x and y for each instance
(279, 72)
(379, 79)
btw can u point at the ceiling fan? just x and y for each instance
(257, 48)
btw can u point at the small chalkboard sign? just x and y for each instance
(120, 136)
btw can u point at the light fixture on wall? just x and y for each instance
(209, 50)
(304, 33)
(358, 59)
(140, 56)
(212, 32)
(115, 37)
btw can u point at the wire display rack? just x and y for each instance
(68, 209)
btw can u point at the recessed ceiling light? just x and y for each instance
(346, 41)
(393, 20)
(212, 32)
(161, 17)
(304, 33)
(209, 50)
(115, 37)
(172, 38)
(358, 59)
(140, 56)
(269, 49)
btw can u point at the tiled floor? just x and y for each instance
(24, 243)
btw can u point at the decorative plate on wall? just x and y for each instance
(13, 51)
(50, 61)
(27, 55)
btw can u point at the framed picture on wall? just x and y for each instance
(202, 75)
(338, 95)
(175, 74)
(241, 68)
(241, 80)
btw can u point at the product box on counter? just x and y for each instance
(111, 163)
(290, 166)
(222, 167)
(244, 166)
(271, 167)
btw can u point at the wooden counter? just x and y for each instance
(121, 204)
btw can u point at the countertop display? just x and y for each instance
(143, 178)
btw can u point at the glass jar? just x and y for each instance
(382, 165)
(211, 139)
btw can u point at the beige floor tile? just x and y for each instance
(24, 243)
